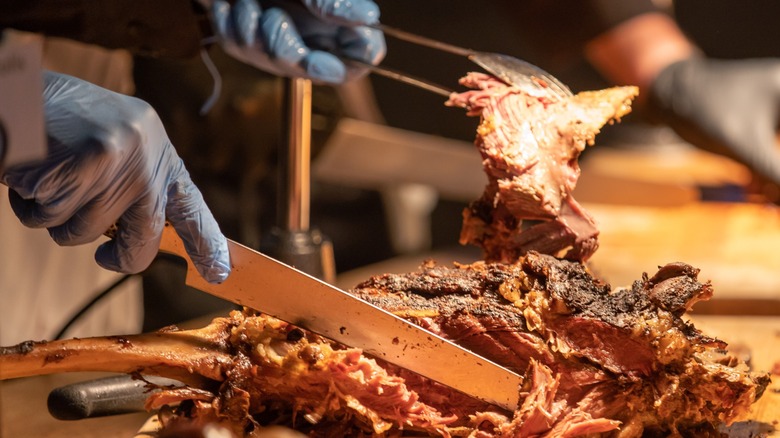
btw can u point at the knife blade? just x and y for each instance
(264, 284)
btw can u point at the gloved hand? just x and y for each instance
(110, 162)
(730, 107)
(299, 40)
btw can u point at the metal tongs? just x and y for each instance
(511, 70)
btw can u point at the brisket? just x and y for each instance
(597, 361)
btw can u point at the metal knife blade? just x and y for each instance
(274, 288)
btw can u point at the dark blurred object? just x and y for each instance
(725, 106)
(729, 29)
(168, 301)
(173, 28)
(113, 395)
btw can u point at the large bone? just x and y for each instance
(288, 367)
(188, 356)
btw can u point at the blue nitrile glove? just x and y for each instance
(110, 162)
(288, 38)
(731, 107)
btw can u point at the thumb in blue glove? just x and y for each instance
(290, 39)
(111, 162)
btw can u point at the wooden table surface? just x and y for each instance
(736, 246)
(23, 411)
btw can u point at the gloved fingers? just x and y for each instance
(729, 107)
(324, 66)
(281, 38)
(34, 214)
(87, 224)
(270, 39)
(137, 239)
(287, 48)
(345, 11)
(26, 210)
(220, 18)
(41, 198)
(247, 27)
(363, 44)
(195, 224)
(329, 44)
(238, 22)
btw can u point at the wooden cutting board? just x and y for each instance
(735, 245)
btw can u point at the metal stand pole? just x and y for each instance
(292, 241)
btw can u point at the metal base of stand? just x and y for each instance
(308, 251)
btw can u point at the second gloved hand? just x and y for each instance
(110, 162)
(730, 107)
(295, 39)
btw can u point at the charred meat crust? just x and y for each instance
(595, 361)
(440, 290)
(620, 342)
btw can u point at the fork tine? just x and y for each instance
(511, 70)
(423, 41)
(402, 77)
(519, 72)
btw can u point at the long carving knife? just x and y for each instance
(274, 288)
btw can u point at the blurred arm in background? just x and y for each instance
(724, 98)
(730, 107)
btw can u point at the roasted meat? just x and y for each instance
(596, 361)
(623, 355)
(530, 142)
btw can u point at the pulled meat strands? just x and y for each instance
(596, 361)
(530, 143)
(273, 368)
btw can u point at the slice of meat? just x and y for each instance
(530, 143)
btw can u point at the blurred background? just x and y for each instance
(372, 195)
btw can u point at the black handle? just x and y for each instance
(102, 397)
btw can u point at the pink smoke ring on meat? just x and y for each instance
(530, 142)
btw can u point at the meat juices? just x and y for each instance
(530, 142)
